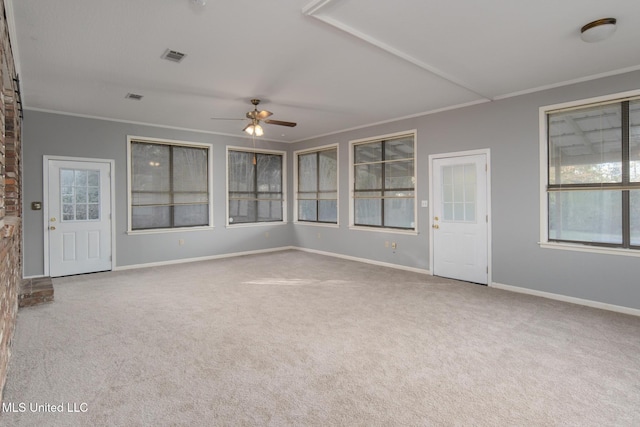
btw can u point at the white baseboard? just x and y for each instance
(204, 258)
(564, 298)
(37, 276)
(364, 260)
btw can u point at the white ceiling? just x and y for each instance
(328, 65)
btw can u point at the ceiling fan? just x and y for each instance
(255, 117)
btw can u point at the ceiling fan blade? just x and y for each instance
(280, 123)
(224, 118)
(263, 114)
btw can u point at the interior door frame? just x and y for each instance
(45, 202)
(486, 152)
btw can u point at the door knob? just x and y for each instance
(435, 226)
(52, 228)
(53, 219)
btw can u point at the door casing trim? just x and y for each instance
(486, 152)
(45, 202)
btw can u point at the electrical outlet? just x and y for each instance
(180, 242)
(393, 245)
(319, 236)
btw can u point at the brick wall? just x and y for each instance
(10, 198)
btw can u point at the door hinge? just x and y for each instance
(487, 218)
(487, 269)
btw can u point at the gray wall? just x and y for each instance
(63, 135)
(509, 128)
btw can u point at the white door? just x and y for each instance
(460, 218)
(79, 217)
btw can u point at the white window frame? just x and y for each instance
(296, 154)
(352, 143)
(544, 152)
(284, 186)
(209, 147)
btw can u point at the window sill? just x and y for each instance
(384, 230)
(168, 230)
(591, 249)
(256, 224)
(317, 224)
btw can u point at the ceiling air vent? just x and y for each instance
(133, 96)
(173, 55)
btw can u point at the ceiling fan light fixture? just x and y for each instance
(250, 129)
(254, 129)
(598, 30)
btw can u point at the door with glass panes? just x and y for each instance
(79, 217)
(460, 218)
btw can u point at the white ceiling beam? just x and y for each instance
(314, 7)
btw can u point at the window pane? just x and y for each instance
(81, 212)
(68, 212)
(189, 169)
(94, 211)
(191, 215)
(94, 179)
(241, 171)
(307, 210)
(365, 153)
(585, 145)
(81, 178)
(328, 170)
(81, 195)
(586, 216)
(241, 211)
(399, 149)
(634, 140)
(269, 210)
(269, 173)
(94, 194)
(66, 177)
(634, 201)
(328, 211)
(150, 167)
(398, 175)
(398, 213)
(308, 172)
(150, 217)
(368, 177)
(368, 211)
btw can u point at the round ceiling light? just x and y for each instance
(598, 30)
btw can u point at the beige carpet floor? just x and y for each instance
(297, 339)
